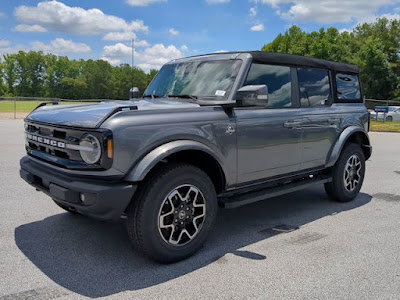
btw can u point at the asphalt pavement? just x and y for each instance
(328, 250)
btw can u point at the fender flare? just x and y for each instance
(144, 166)
(344, 136)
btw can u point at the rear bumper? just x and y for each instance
(101, 199)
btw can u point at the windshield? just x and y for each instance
(206, 80)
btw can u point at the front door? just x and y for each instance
(269, 135)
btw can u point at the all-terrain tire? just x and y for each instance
(146, 226)
(347, 174)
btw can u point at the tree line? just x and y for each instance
(35, 74)
(373, 47)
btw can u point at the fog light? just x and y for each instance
(87, 198)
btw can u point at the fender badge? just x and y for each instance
(230, 129)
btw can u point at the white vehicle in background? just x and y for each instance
(392, 115)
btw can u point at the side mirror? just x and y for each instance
(252, 95)
(134, 93)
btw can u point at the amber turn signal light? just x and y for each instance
(109, 149)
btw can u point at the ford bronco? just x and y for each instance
(211, 130)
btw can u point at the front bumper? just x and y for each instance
(102, 200)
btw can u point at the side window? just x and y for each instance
(315, 88)
(348, 87)
(278, 81)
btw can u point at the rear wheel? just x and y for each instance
(347, 175)
(173, 214)
(389, 118)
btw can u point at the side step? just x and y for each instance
(250, 197)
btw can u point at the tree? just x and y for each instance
(374, 61)
(72, 88)
(97, 75)
(10, 72)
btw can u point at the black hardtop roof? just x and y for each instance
(296, 60)
(262, 56)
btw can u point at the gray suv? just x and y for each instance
(212, 130)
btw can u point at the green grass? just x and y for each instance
(385, 126)
(25, 106)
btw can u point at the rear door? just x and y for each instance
(321, 125)
(269, 136)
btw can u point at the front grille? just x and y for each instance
(47, 133)
(53, 144)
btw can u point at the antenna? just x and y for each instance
(133, 53)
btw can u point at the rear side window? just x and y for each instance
(278, 81)
(348, 87)
(314, 85)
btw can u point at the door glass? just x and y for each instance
(277, 79)
(348, 87)
(314, 86)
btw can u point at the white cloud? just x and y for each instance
(345, 30)
(184, 48)
(60, 45)
(4, 43)
(150, 58)
(371, 19)
(114, 62)
(2, 15)
(117, 50)
(221, 51)
(143, 2)
(258, 27)
(253, 11)
(29, 28)
(217, 1)
(119, 36)
(13, 49)
(173, 31)
(327, 11)
(62, 18)
(158, 55)
(141, 44)
(391, 16)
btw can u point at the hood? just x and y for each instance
(90, 115)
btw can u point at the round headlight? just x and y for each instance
(90, 149)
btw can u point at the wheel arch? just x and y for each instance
(186, 151)
(352, 134)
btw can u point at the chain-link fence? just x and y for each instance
(20, 107)
(371, 103)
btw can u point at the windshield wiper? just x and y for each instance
(151, 96)
(193, 97)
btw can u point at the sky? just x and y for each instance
(163, 30)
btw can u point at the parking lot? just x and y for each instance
(336, 251)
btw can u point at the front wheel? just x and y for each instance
(347, 175)
(173, 214)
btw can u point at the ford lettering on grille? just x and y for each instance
(45, 141)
